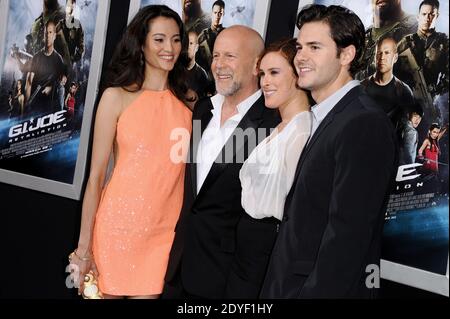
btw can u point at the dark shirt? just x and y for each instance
(198, 80)
(206, 41)
(47, 68)
(48, 71)
(395, 98)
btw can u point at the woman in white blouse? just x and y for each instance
(267, 175)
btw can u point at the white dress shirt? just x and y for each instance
(215, 136)
(268, 173)
(321, 110)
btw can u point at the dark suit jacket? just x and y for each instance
(205, 246)
(333, 216)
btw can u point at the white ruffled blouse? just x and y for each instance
(268, 173)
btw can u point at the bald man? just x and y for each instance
(393, 95)
(219, 251)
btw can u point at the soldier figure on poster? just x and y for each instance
(46, 67)
(194, 17)
(424, 59)
(46, 77)
(389, 19)
(208, 36)
(393, 95)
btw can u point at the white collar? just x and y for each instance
(323, 108)
(242, 108)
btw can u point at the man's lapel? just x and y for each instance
(324, 124)
(205, 118)
(235, 146)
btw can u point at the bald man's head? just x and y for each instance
(250, 39)
(386, 55)
(235, 56)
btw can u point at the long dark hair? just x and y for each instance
(433, 142)
(16, 91)
(127, 66)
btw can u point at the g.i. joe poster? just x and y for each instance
(204, 20)
(406, 71)
(48, 83)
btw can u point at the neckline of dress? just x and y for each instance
(157, 91)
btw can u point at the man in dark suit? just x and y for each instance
(333, 217)
(219, 251)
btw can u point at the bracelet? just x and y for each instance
(79, 257)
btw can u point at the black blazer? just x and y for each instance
(333, 216)
(205, 243)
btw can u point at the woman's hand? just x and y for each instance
(82, 263)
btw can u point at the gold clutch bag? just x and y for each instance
(91, 290)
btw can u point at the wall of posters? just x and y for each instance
(415, 244)
(50, 67)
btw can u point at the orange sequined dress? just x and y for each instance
(136, 217)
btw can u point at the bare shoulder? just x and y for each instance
(113, 96)
(112, 92)
(111, 100)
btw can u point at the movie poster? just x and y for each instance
(43, 86)
(415, 97)
(44, 80)
(204, 20)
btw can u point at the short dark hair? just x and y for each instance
(346, 28)
(219, 3)
(415, 108)
(433, 3)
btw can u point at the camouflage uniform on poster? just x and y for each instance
(397, 31)
(193, 16)
(199, 24)
(206, 41)
(74, 36)
(389, 20)
(431, 56)
(72, 31)
(423, 60)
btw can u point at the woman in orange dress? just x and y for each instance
(127, 226)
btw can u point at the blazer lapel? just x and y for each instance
(235, 146)
(323, 125)
(205, 118)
